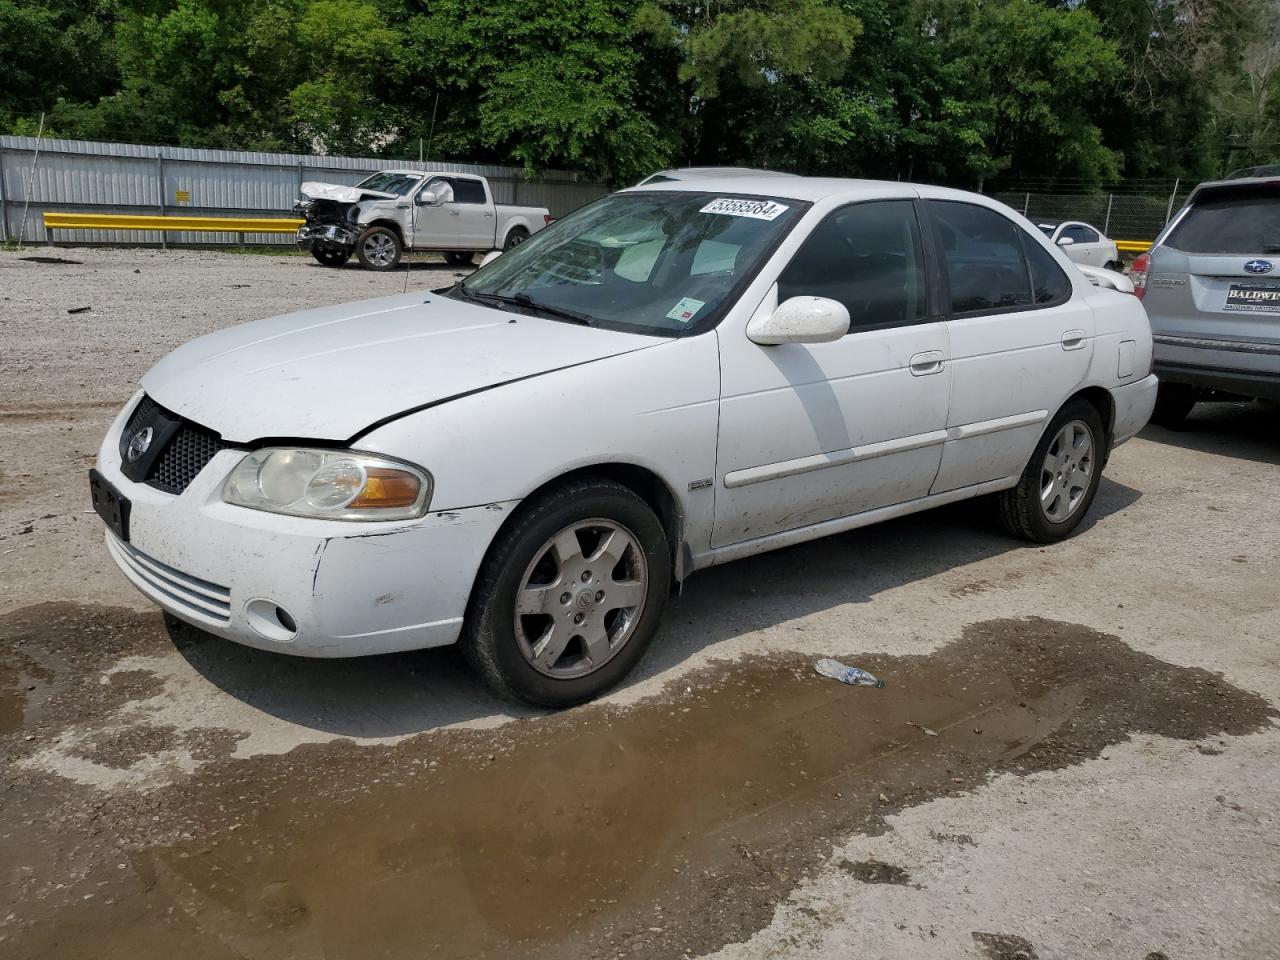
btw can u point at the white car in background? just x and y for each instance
(672, 377)
(1083, 243)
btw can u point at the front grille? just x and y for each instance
(180, 451)
(190, 594)
(184, 456)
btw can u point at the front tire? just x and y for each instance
(1173, 402)
(331, 258)
(569, 596)
(1060, 481)
(379, 248)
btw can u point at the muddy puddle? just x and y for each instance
(668, 828)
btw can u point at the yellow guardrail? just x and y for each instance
(1133, 246)
(115, 221)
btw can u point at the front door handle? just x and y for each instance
(929, 362)
(1073, 340)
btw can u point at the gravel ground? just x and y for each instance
(1104, 782)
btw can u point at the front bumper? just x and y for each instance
(1134, 403)
(347, 588)
(326, 236)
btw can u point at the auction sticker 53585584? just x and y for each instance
(1253, 297)
(736, 207)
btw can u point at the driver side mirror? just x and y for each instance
(435, 195)
(1065, 241)
(801, 320)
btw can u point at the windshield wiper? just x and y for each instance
(524, 300)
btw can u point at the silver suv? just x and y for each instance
(1211, 286)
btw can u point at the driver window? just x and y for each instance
(867, 256)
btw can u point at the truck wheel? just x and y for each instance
(379, 248)
(332, 258)
(569, 596)
(517, 236)
(457, 258)
(1173, 402)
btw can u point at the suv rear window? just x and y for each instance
(1237, 221)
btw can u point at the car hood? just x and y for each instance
(331, 373)
(341, 193)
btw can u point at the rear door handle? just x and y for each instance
(929, 362)
(1073, 340)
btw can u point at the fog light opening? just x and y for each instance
(270, 620)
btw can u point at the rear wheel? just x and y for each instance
(457, 258)
(331, 258)
(517, 236)
(1173, 402)
(569, 596)
(1061, 479)
(379, 248)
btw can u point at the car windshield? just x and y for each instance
(398, 183)
(662, 263)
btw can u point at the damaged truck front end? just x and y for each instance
(333, 215)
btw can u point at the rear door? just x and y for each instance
(1215, 275)
(1021, 341)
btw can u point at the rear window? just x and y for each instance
(1231, 222)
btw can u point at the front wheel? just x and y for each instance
(379, 248)
(569, 596)
(517, 236)
(331, 258)
(1059, 483)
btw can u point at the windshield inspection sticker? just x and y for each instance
(686, 309)
(756, 209)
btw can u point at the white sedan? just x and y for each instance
(1084, 244)
(673, 377)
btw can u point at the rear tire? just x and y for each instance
(1173, 402)
(556, 652)
(1061, 479)
(457, 258)
(331, 258)
(517, 236)
(379, 248)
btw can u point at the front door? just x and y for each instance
(464, 223)
(813, 432)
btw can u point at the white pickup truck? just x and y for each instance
(397, 210)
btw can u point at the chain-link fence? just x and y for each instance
(1134, 217)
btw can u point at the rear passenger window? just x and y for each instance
(869, 257)
(983, 255)
(1049, 284)
(467, 191)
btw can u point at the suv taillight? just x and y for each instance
(548, 219)
(1138, 273)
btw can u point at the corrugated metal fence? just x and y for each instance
(88, 177)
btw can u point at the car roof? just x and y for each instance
(1213, 186)
(720, 172)
(813, 189)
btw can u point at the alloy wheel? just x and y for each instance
(1067, 471)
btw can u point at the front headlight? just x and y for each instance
(329, 485)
